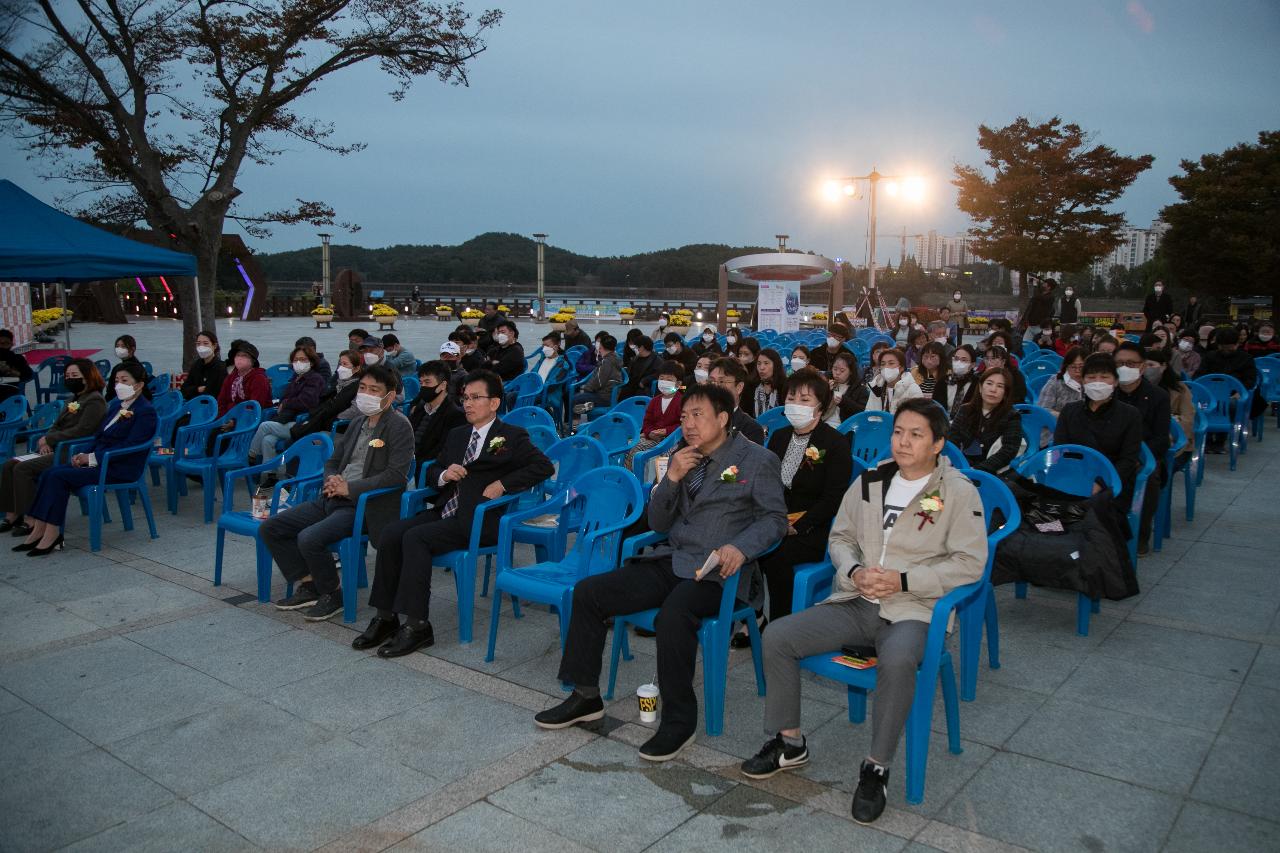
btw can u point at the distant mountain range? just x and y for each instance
(496, 257)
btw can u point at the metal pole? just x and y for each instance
(324, 269)
(542, 300)
(66, 321)
(871, 267)
(195, 288)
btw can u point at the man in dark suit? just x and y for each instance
(433, 414)
(478, 462)
(722, 495)
(730, 375)
(374, 453)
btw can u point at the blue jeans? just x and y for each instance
(264, 440)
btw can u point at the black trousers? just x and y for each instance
(641, 584)
(406, 550)
(780, 568)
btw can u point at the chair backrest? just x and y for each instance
(167, 404)
(13, 408)
(1000, 508)
(860, 348)
(279, 376)
(1070, 468)
(542, 437)
(1035, 384)
(526, 417)
(159, 384)
(615, 430)
(411, 387)
(633, 407)
(640, 463)
(1039, 367)
(772, 419)
(1140, 482)
(602, 497)
(1200, 396)
(571, 457)
(1029, 349)
(1047, 356)
(44, 415)
(955, 456)
(104, 367)
(1178, 439)
(871, 433)
(146, 365)
(1268, 368)
(311, 452)
(573, 353)
(1035, 420)
(201, 409)
(1220, 387)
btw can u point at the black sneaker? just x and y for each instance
(774, 757)
(868, 800)
(326, 607)
(304, 595)
(576, 709)
(665, 745)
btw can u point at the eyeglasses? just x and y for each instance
(475, 398)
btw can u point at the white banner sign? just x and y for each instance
(779, 306)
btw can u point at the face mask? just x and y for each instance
(503, 339)
(666, 387)
(243, 364)
(798, 415)
(674, 349)
(961, 368)
(121, 352)
(371, 358)
(429, 393)
(902, 323)
(1185, 346)
(1153, 374)
(1098, 391)
(662, 324)
(732, 339)
(549, 352)
(1159, 290)
(832, 342)
(634, 349)
(1265, 338)
(890, 374)
(301, 367)
(368, 404)
(798, 363)
(1127, 374)
(345, 373)
(708, 338)
(204, 352)
(123, 391)
(956, 297)
(75, 386)
(700, 374)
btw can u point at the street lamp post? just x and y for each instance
(913, 186)
(542, 301)
(324, 269)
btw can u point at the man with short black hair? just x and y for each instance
(1105, 424)
(506, 355)
(820, 357)
(398, 358)
(433, 414)
(355, 338)
(1152, 403)
(643, 370)
(721, 497)
(677, 351)
(728, 374)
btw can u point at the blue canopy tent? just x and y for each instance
(41, 244)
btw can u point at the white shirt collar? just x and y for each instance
(484, 432)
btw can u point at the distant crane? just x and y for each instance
(903, 237)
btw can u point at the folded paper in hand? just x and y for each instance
(713, 561)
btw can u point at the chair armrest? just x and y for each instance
(357, 525)
(105, 462)
(413, 500)
(231, 475)
(477, 522)
(808, 582)
(220, 443)
(71, 446)
(611, 534)
(293, 484)
(507, 525)
(635, 544)
(941, 616)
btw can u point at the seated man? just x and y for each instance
(1152, 403)
(821, 357)
(477, 463)
(598, 389)
(882, 595)
(1107, 425)
(433, 413)
(506, 355)
(398, 358)
(643, 370)
(729, 374)
(374, 453)
(720, 490)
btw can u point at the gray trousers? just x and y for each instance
(827, 627)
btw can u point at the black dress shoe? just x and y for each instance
(379, 631)
(25, 546)
(407, 640)
(7, 525)
(576, 709)
(55, 545)
(666, 744)
(20, 528)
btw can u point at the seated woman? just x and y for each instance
(771, 384)
(205, 374)
(931, 371)
(246, 381)
(80, 418)
(130, 421)
(872, 370)
(800, 357)
(998, 356)
(127, 352)
(1065, 387)
(1109, 426)
(988, 430)
(702, 369)
(337, 404)
(893, 385)
(848, 391)
(962, 380)
(916, 341)
(662, 414)
(1158, 370)
(301, 395)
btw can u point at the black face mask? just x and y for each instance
(75, 386)
(430, 393)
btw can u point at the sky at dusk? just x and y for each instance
(619, 128)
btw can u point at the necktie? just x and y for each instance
(696, 476)
(473, 450)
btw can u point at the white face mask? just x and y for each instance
(708, 338)
(503, 339)
(1185, 346)
(960, 368)
(121, 352)
(799, 363)
(371, 358)
(1069, 382)
(902, 323)
(368, 404)
(549, 352)
(1069, 294)
(890, 374)
(204, 352)
(832, 341)
(798, 415)
(1098, 391)
(666, 387)
(662, 324)
(1127, 374)
(634, 349)
(700, 374)
(301, 367)
(1265, 338)
(124, 391)
(345, 373)
(1159, 290)
(731, 339)
(956, 297)
(1153, 374)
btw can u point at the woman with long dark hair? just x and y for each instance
(988, 429)
(930, 372)
(205, 374)
(1067, 386)
(771, 382)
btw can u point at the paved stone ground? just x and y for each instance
(143, 708)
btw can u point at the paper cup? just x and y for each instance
(647, 696)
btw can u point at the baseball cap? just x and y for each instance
(371, 341)
(449, 348)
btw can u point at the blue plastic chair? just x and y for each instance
(409, 390)
(40, 422)
(633, 407)
(104, 368)
(604, 502)
(1227, 416)
(600, 411)
(773, 419)
(1139, 492)
(1268, 368)
(309, 455)
(1039, 367)
(94, 495)
(617, 432)
(713, 636)
(159, 384)
(572, 457)
(1163, 525)
(1038, 425)
(955, 456)
(640, 462)
(1193, 471)
(351, 548)
(230, 451)
(542, 437)
(872, 433)
(13, 420)
(1030, 349)
(279, 376)
(529, 416)
(52, 387)
(12, 409)
(1035, 384)
(197, 410)
(524, 390)
(1070, 468)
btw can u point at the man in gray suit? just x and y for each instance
(374, 453)
(722, 495)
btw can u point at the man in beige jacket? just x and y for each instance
(907, 533)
